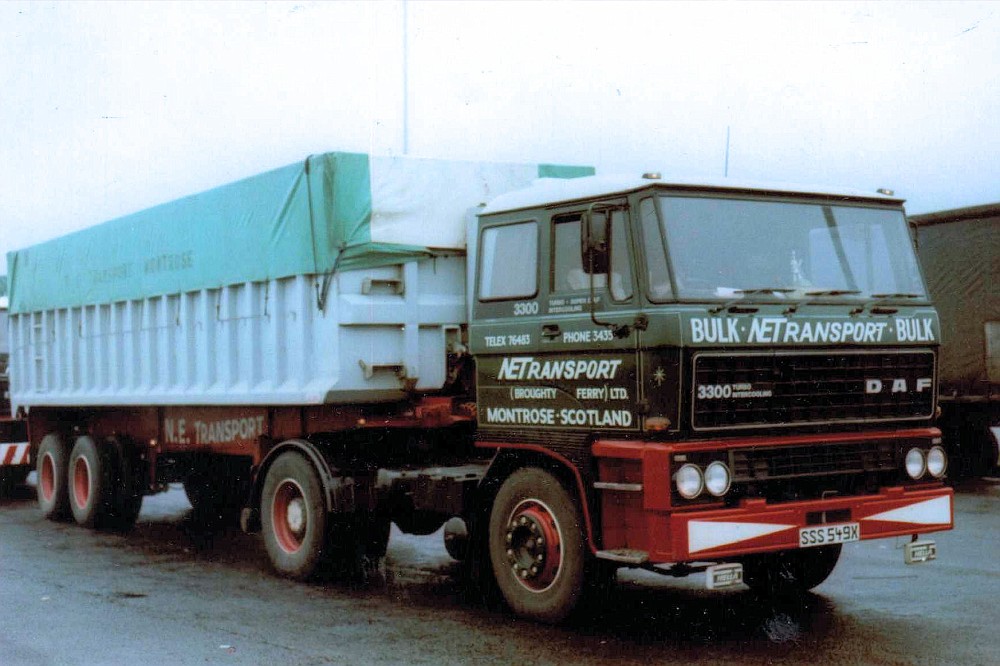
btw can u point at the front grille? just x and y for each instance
(746, 390)
(785, 462)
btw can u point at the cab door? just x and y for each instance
(565, 357)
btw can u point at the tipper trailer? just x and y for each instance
(585, 373)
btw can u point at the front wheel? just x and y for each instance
(293, 516)
(536, 546)
(790, 572)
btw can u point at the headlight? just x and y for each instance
(915, 463)
(937, 462)
(689, 481)
(717, 478)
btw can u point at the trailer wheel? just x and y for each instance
(52, 467)
(90, 482)
(790, 572)
(293, 516)
(536, 546)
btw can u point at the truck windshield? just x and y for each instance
(731, 248)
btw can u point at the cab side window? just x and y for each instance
(567, 265)
(509, 262)
(568, 272)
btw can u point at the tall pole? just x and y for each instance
(727, 152)
(406, 80)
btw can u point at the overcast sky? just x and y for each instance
(110, 108)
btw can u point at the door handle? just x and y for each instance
(550, 331)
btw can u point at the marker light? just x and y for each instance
(717, 478)
(937, 462)
(915, 464)
(689, 481)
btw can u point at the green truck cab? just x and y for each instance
(734, 374)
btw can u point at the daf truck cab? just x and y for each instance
(741, 375)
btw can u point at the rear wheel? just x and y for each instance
(536, 546)
(52, 467)
(91, 484)
(790, 572)
(293, 516)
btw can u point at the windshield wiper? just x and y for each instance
(897, 295)
(750, 292)
(833, 292)
(764, 290)
(878, 298)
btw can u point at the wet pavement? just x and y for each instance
(173, 591)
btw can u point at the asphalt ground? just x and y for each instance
(174, 591)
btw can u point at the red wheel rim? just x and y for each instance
(47, 482)
(81, 481)
(289, 516)
(534, 545)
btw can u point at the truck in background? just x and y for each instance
(960, 253)
(15, 454)
(584, 374)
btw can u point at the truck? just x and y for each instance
(960, 253)
(571, 373)
(15, 454)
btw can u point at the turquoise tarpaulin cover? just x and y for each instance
(335, 211)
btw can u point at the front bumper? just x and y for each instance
(756, 527)
(640, 521)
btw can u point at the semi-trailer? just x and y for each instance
(960, 254)
(576, 372)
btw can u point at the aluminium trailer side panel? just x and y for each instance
(336, 279)
(381, 332)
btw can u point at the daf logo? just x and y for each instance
(898, 385)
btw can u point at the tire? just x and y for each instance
(293, 517)
(90, 482)
(456, 539)
(540, 578)
(52, 466)
(790, 572)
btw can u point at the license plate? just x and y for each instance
(825, 535)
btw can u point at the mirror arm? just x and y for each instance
(620, 331)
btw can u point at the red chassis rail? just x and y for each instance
(638, 514)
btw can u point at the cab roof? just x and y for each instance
(550, 191)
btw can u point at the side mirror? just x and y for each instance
(595, 248)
